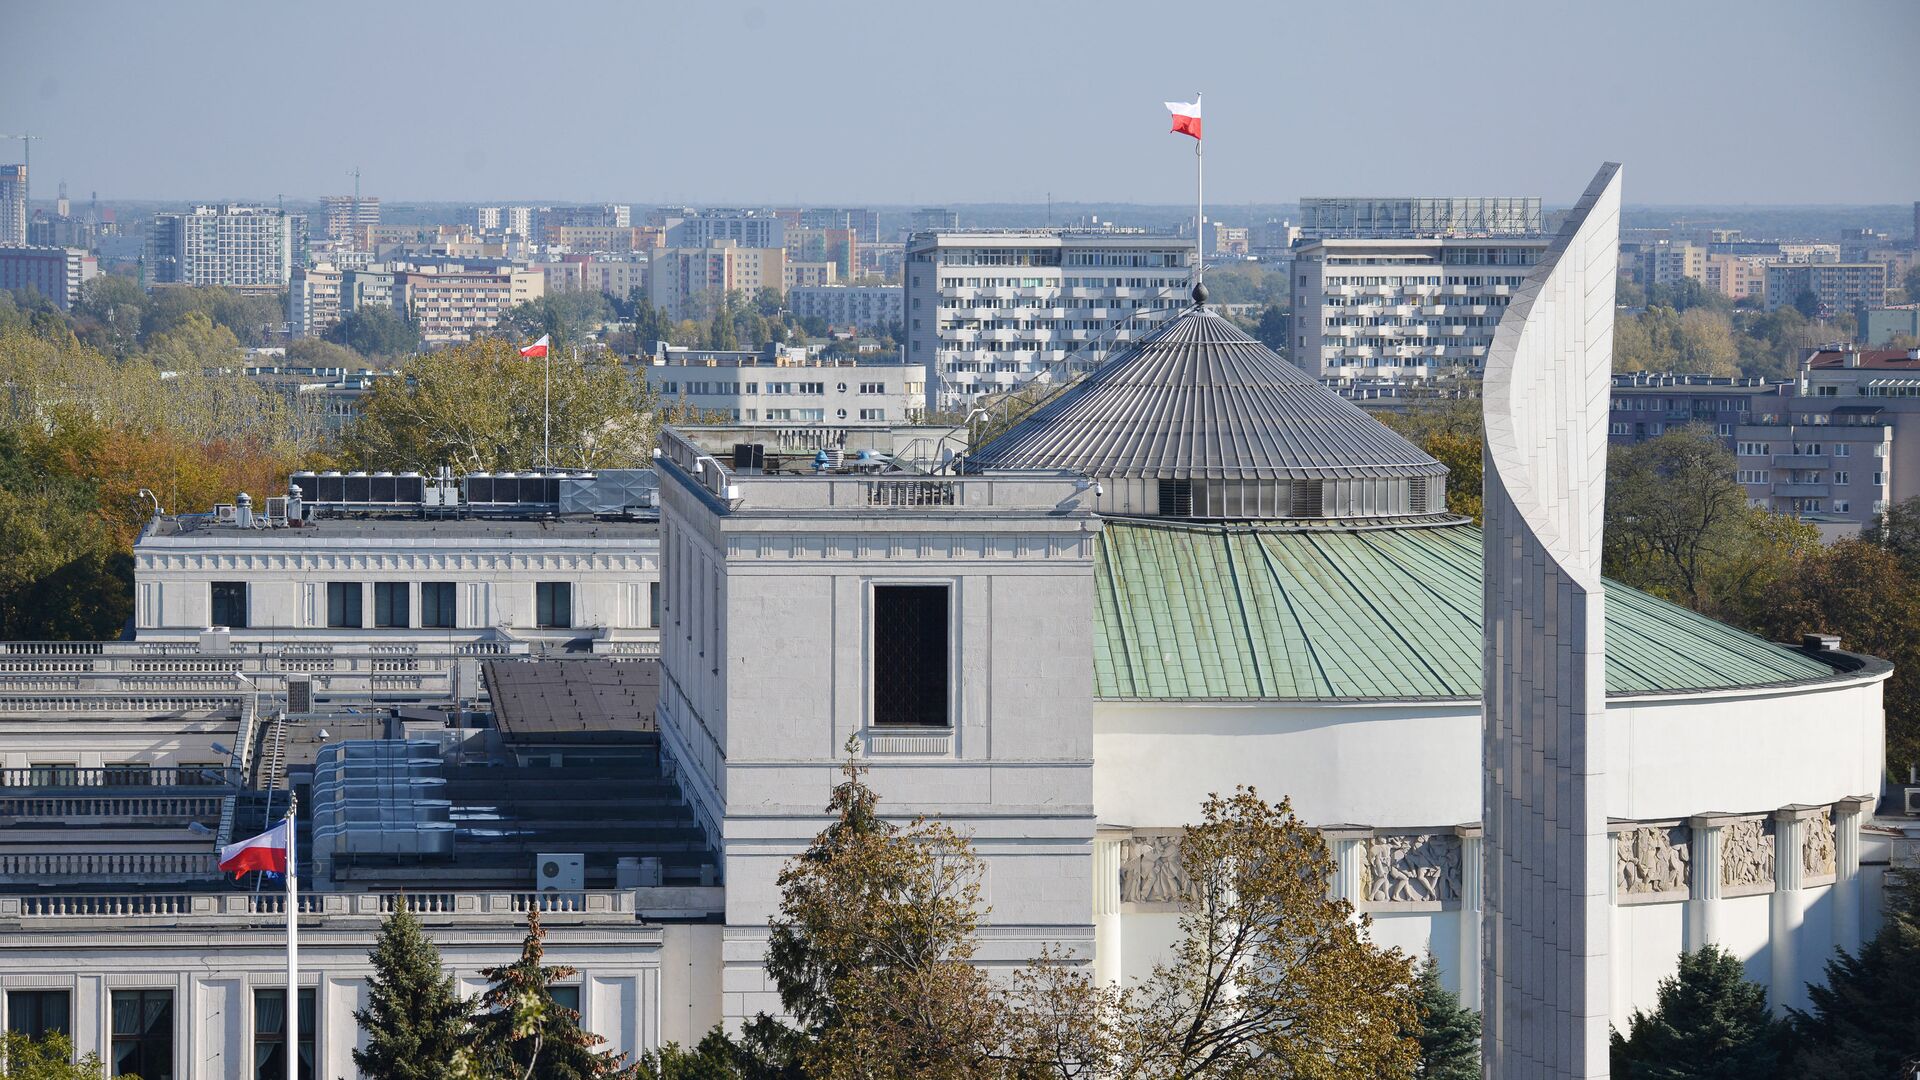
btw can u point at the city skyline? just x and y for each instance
(734, 120)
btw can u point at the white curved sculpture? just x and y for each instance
(1547, 858)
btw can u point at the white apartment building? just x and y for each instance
(686, 282)
(233, 246)
(1403, 308)
(313, 299)
(747, 228)
(784, 387)
(986, 311)
(868, 307)
(449, 305)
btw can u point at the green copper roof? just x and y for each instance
(1194, 612)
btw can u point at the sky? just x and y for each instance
(781, 102)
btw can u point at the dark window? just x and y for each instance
(53, 775)
(568, 997)
(35, 1013)
(230, 604)
(133, 775)
(391, 601)
(653, 603)
(270, 1034)
(343, 604)
(143, 1033)
(553, 604)
(436, 605)
(910, 654)
(1176, 498)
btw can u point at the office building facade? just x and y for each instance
(988, 311)
(240, 247)
(786, 388)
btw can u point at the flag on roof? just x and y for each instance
(267, 852)
(1186, 116)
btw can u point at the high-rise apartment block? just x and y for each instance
(1406, 308)
(1362, 219)
(864, 223)
(348, 219)
(987, 311)
(746, 228)
(1837, 288)
(688, 282)
(449, 306)
(239, 247)
(13, 205)
(53, 272)
(933, 219)
(512, 220)
(868, 307)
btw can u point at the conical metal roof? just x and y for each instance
(1199, 399)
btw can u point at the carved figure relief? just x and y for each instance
(1746, 854)
(1816, 850)
(1413, 869)
(1652, 860)
(1152, 873)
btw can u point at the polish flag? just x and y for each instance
(538, 350)
(1186, 116)
(268, 852)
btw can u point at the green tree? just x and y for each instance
(1453, 432)
(1449, 1031)
(372, 330)
(1911, 283)
(319, 352)
(523, 1034)
(1708, 1023)
(47, 1058)
(110, 312)
(1863, 1024)
(480, 406)
(1272, 328)
(721, 333)
(1673, 510)
(415, 1019)
(1703, 343)
(1807, 303)
(650, 324)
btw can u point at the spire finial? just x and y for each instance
(1199, 294)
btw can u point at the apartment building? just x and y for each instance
(583, 273)
(519, 221)
(808, 275)
(1403, 308)
(600, 238)
(687, 282)
(744, 228)
(1885, 324)
(788, 388)
(239, 247)
(841, 247)
(13, 205)
(450, 306)
(1389, 218)
(313, 299)
(990, 310)
(865, 224)
(348, 219)
(1838, 288)
(54, 272)
(1736, 277)
(867, 307)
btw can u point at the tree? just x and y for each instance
(1272, 329)
(319, 352)
(373, 330)
(1911, 282)
(415, 1019)
(1449, 1031)
(1708, 1023)
(523, 1034)
(1703, 343)
(1672, 509)
(480, 406)
(1270, 976)
(49, 1057)
(1453, 432)
(873, 945)
(1863, 1024)
(1807, 303)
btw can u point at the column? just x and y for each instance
(1703, 891)
(1847, 815)
(1789, 833)
(1349, 846)
(1109, 851)
(1470, 871)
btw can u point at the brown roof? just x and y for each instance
(548, 700)
(1898, 359)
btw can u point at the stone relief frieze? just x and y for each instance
(1746, 854)
(1817, 850)
(1651, 859)
(1151, 872)
(1422, 868)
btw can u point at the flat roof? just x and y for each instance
(201, 527)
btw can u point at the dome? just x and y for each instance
(1199, 420)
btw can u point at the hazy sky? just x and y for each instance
(904, 101)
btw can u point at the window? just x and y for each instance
(1843, 450)
(143, 1033)
(230, 604)
(437, 605)
(270, 1034)
(910, 662)
(553, 604)
(34, 1013)
(568, 997)
(343, 604)
(55, 774)
(392, 603)
(1840, 476)
(653, 603)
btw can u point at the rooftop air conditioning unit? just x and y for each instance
(1913, 802)
(565, 872)
(299, 695)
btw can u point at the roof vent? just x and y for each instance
(1308, 498)
(1820, 642)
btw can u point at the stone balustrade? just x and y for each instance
(193, 909)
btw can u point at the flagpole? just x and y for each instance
(292, 1041)
(546, 412)
(1199, 205)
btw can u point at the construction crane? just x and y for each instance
(26, 156)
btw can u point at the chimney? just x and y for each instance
(243, 511)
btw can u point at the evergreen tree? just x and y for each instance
(524, 1034)
(415, 1019)
(1449, 1031)
(1865, 1023)
(1709, 1023)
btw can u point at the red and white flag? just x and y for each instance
(268, 852)
(538, 350)
(1186, 116)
